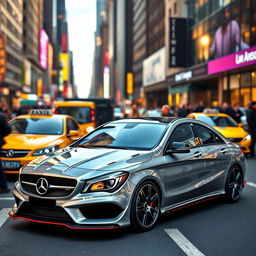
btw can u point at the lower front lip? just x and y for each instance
(70, 226)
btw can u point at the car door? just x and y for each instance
(72, 125)
(216, 156)
(182, 169)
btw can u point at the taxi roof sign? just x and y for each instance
(211, 111)
(41, 112)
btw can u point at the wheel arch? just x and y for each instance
(155, 181)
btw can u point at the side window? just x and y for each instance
(205, 136)
(182, 133)
(71, 125)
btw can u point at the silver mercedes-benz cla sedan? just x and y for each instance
(128, 172)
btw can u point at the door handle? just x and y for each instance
(198, 154)
(223, 151)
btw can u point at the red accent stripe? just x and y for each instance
(245, 183)
(61, 224)
(191, 204)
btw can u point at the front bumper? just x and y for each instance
(99, 210)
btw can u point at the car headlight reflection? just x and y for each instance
(108, 183)
(89, 129)
(248, 137)
(44, 151)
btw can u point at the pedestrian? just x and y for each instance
(166, 111)
(135, 111)
(251, 120)
(183, 111)
(200, 108)
(236, 114)
(226, 109)
(4, 131)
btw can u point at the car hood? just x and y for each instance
(87, 162)
(30, 142)
(232, 132)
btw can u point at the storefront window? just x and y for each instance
(245, 92)
(245, 97)
(234, 89)
(225, 83)
(245, 79)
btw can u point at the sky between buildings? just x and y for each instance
(82, 25)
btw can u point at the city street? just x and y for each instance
(212, 228)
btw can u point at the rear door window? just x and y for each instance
(81, 114)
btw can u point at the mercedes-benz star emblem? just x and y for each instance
(9, 153)
(42, 186)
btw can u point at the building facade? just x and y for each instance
(155, 90)
(11, 53)
(139, 44)
(221, 46)
(32, 24)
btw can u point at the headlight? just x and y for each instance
(248, 137)
(89, 129)
(44, 151)
(107, 183)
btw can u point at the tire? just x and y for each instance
(145, 207)
(234, 185)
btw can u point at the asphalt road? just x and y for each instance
(213, 228)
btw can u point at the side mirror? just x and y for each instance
(241, 125)
(178, 147)
(73, 133)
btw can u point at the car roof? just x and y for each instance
(43, 116)
(204, 114)
(160, 119)
(74, 103)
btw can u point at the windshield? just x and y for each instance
(221, 121)
(81, 114)
(43, 126)
(135, 135)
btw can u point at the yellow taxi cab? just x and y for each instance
(226, 126)
(36, 134)
(82, 111)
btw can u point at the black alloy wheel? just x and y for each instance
(145, 207)
(234, 185)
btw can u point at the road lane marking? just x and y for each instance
(251, 184)
(4, 215)
(183, 242)
(7, 198)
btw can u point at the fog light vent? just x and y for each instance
(101, 211)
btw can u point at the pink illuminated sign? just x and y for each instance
(239, 59)
(44, 40)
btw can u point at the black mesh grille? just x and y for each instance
(235, 140)
(101, 211)
(16, 153)
(43, 209)
(55, 181)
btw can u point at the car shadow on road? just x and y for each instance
(60, 232)
(191, 210)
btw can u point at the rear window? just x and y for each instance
(81, 114)
(218, 121)
(42, 126)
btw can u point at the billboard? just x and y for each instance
(154, 68)
(64, 62)
(232, 34)
(2, 59)
(43, 48)
(236, 60)
(178, 42)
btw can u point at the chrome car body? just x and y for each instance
(105, 187)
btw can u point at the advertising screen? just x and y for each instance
(232, 34)
(44, 40)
